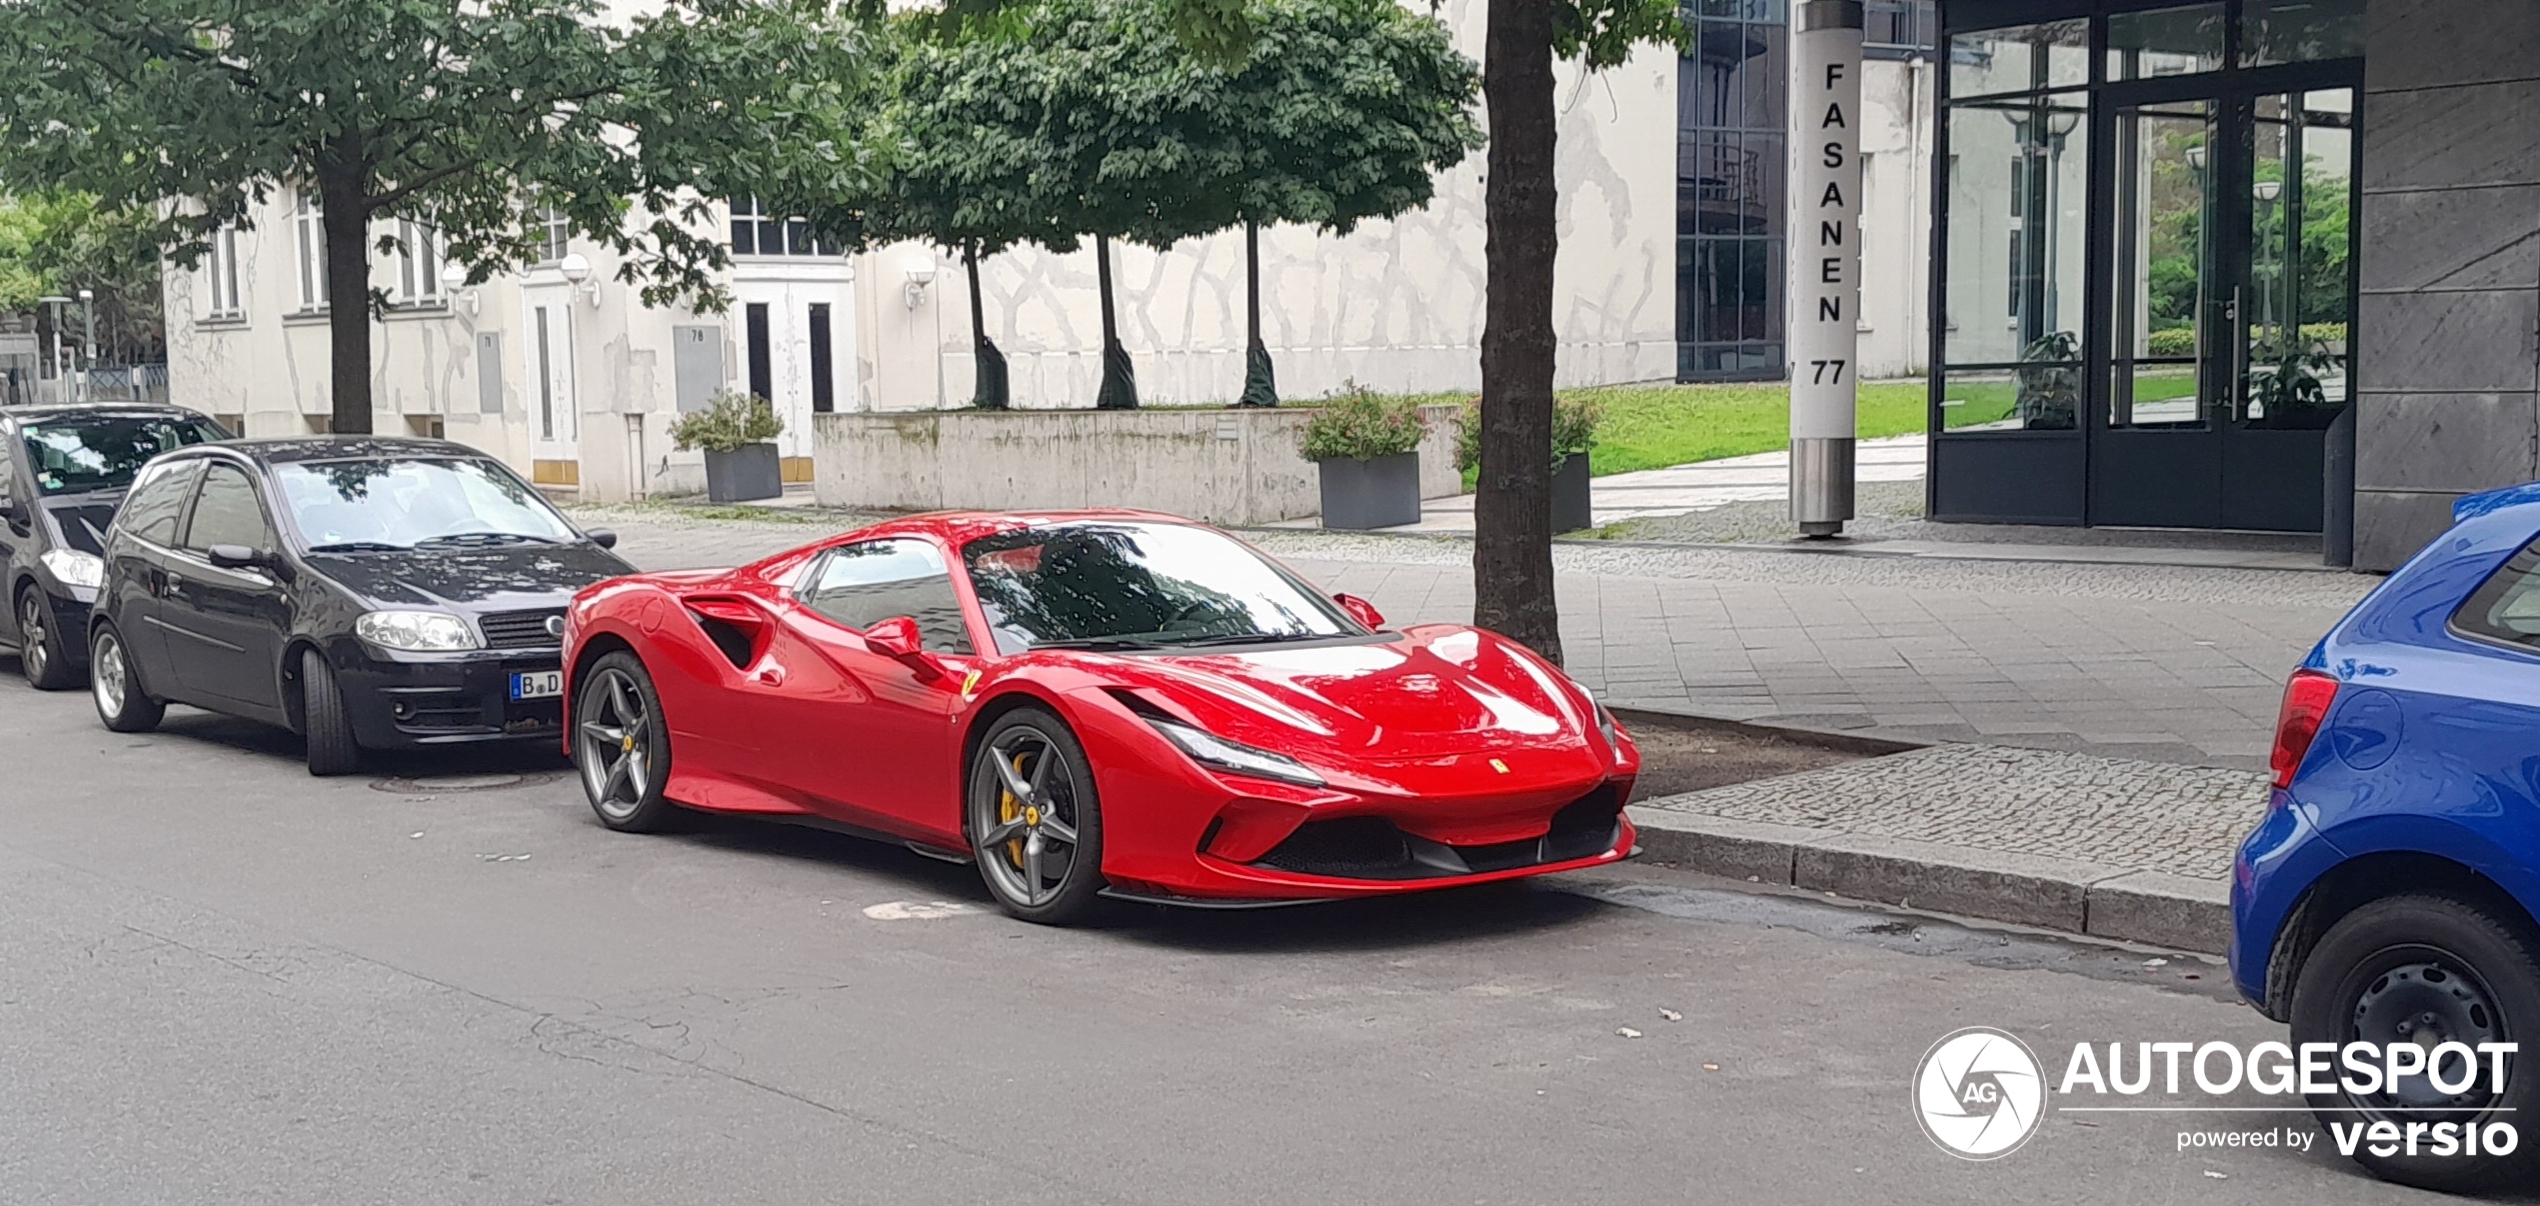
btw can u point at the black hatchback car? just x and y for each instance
(63, 471)
(369, 593)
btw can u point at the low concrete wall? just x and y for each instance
(1220, 466)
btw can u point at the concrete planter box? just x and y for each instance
(748, 472)
(1237, 467)
(1378, 493)
(1572, 504)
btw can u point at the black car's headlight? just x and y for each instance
(1208, 749)
(416, 631)
(71, 567)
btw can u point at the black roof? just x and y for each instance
(284, 450)
(35, 412)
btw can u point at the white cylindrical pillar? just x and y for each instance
(1825, 260)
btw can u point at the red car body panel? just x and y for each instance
(1454, 735)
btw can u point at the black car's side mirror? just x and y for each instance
(234, 557)
(602, 537)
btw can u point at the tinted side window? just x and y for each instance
(860, 585)
(226, 512)
(2507, 606)
(157, 500)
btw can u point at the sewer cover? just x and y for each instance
(430, 785)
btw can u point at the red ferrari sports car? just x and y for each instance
(1090, 703)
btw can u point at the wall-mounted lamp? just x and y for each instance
(920, 271)
(577, 271)
(454, 283)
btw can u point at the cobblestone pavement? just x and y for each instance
(2118, 812)
(2160, 663)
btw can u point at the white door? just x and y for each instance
(796, 339)
(555, 437)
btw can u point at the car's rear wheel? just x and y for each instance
(622, 746)
(40, 651)
(2429, 970)
(1034, 821)
(332, 750)
(122, 702)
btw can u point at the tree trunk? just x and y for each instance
(1119, 378)
(1261, 388)
(342, 193)
(1512, 510)
(989, 392)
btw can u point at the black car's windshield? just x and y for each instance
(77, 454)
(1139, 585)
(395, 504)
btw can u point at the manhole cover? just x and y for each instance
(438, 784)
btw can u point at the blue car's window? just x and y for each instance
(2507, 606)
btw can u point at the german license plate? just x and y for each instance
(538, 684)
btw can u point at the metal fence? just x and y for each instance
(102, 383)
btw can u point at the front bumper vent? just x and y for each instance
(1375, 848)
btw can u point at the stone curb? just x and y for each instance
(2050, 893)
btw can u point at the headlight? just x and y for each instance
(74, 568)
(415, 631)
(1211, 750)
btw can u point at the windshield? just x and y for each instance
(76, 454)
(382, 505)
(1139, 585)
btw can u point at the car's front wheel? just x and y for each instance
(2429, 970)
(41, 653)
(332, 750)
(122, 702)
(1034, 821)
(622, 746)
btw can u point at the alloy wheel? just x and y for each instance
(616, 744)
(32, 637)
(1027, 844)
(107, 677)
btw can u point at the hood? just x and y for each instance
(488, 579)
(82, 519)
(1425, 692)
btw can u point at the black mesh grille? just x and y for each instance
(520, 629)
(1373, 848)
(1355, 847)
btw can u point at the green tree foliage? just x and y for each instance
(477, 118)
(60, 243)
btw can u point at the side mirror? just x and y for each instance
(234, 557)
(896, 637)
(1360, 610)
(602, 537)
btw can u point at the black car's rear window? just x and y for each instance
(2506, 607)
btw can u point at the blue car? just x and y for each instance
(2389, 895)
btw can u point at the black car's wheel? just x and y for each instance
(1034, 822)
(40, 651)
(122, 701)
(2429, 970)
(332, 750)
(622, 746)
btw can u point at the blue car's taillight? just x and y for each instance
(2307, 698)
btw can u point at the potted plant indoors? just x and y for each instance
(737, 431)
(1368, 450)
(1574, 424)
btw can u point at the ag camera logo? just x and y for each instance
(1979, 1093)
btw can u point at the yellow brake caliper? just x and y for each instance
(1009, 808)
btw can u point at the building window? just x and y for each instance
(1899, 29)
(308, 230)
(220, 276)
(1730, 177)
(555, 232)
(418, 263)
(757, 232)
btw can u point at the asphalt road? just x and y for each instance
(224, 981)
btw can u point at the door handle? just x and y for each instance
(2229, 404)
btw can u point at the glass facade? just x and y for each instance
(1730, 173)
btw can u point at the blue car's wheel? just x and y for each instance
(2430, 970)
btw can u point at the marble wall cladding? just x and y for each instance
(2467, 238)
(2421, 43)
(2447, 333)
(2447, 442)
(2390, 526)
(2456, 342)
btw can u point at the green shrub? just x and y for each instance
(1574, 424)
(2176, 341)
(731, 421)
(1357, 425)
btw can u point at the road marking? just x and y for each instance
(911, 910)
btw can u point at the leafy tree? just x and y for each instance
(61, 243)
(1512, 507)
(479, 119)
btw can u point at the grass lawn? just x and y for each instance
(1654, 426)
